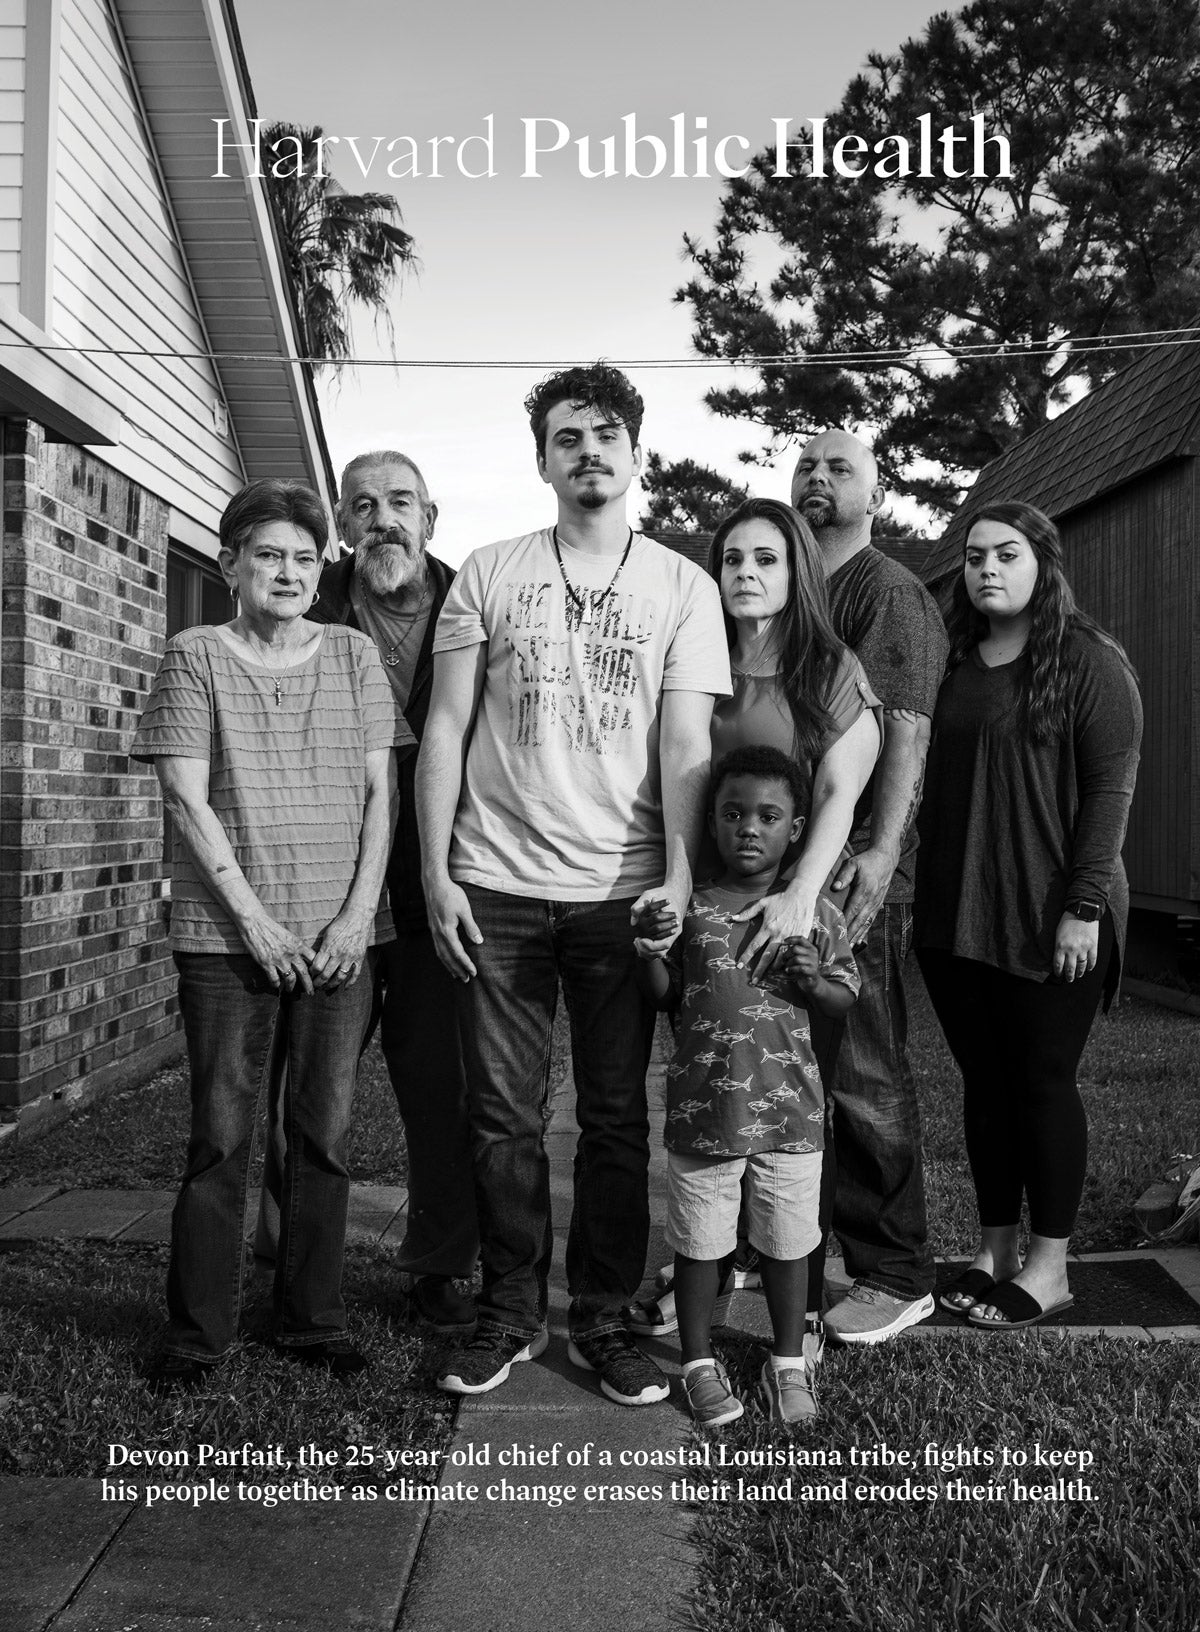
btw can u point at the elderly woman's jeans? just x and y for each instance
(235, 1023)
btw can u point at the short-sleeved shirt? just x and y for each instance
(892, 624)
(287, 779)
(758, 713)
(561, 793)
(744, 1078)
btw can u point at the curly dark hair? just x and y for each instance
(272, 498)
(1052, 662)
(809, 650)
(757, 759)
(598, 386)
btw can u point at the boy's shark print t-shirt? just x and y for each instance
(744, 1078)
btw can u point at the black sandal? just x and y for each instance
(973, 1284)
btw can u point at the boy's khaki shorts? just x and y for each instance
(704, 1197)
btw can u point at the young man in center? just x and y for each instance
(561, 784)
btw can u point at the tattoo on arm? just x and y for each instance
(914, 802)
(911, 715)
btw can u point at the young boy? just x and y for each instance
(743, 1091)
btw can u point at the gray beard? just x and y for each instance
(386, 568)
(822, 516)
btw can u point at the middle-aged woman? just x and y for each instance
(1021, 895)
(272, 740)
(796, 687)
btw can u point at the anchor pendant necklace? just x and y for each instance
(587, 610)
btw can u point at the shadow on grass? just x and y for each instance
(1105, 1546)
(79, 1322)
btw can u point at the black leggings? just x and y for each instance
(1017, 1043)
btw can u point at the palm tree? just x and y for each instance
(340, 247)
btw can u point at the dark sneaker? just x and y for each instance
(336, 1355)
(487, 1359)
(626, 1374)
(789, 1395)
(710, 1399)
(438, 1304)
(176, 1373)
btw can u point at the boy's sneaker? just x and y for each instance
(710, 1399)
(626, 1374)
(867, 1315)
(485, 1362)
(790, 1395)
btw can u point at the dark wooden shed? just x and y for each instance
(1120, 474)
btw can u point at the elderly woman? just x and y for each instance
(796, 687)
(272, 738)
(1021, 896)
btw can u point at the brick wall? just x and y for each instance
(86, 983)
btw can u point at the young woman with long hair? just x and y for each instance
(1021, 896)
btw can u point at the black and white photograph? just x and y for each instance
(600, 797)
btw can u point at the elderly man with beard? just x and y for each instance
(893, 627)
(393, 589)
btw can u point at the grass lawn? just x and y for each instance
(77, 1320)
(1122, 1561)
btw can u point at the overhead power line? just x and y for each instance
(930, 352)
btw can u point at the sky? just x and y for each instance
(554, 268)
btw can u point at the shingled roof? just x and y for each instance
(1143, 416)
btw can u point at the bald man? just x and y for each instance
(891, 623)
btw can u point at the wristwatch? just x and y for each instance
(1088, 912)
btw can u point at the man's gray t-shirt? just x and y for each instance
(892, 624)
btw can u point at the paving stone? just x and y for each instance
(1174, 1334)
(93, 1215)
(374, 1209)
(629, 1568)
(594, 1426)
(19, 1198)
(155, 1224)
(238, 1564)
(54, 1530)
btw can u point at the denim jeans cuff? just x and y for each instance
(307, 1340)
(599, 1324)
(902, 1294)
(488, 1323)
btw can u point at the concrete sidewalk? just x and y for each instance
(76, 1564)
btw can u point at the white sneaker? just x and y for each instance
(866, 1315)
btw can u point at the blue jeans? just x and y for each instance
(507, 1015)
(879, 1202)
(419, 1034)
(235, 1026)
(414, 1002)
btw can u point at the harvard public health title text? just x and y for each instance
(687, 150)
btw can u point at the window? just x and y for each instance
(196, 592)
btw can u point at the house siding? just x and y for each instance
(1130, 558)
(120, 279)
(12, 144)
